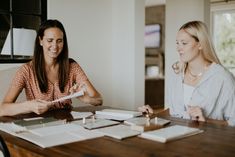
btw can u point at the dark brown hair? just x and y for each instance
(39, 62)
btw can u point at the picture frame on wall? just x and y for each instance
(152, 37)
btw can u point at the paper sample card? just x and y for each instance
(80, 115)
(119, 131)
(170, 133)
(77, 94)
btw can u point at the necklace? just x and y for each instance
(195, 75)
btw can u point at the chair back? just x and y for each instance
(3, 148)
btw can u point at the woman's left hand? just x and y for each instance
(196, 113)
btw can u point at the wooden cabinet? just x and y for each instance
(154, 92)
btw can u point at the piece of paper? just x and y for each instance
(85, 134)
(53, 136)
(34, 118)
(80, 115)
(170, 133)
(144, 120)
(118, 131)
(12, 128)
(77, 94)
(99, 123)
(49, 141)
(52, 130)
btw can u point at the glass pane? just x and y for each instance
(224, 37)
(26, 21)
(26, 6)
(4, 28)
(5, 5)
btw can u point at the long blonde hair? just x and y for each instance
(198, 30)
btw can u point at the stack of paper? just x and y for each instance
(117, 114)
(170, 133)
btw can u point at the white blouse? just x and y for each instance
(188, 92)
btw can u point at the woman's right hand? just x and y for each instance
(145, 109)
(40, 106)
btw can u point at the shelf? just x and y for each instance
(154, 78)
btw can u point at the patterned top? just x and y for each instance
(26, 79)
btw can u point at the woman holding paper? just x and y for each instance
(49, 76)
(200, 88)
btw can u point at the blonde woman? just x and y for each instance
(200, 88)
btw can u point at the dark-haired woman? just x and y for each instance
(49, 76)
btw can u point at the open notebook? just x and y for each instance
(49, 136)
(170, 133)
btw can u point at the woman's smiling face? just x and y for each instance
(52, 43)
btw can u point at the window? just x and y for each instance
(18, 16)
(223, 21)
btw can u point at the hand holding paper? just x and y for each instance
(77, 94)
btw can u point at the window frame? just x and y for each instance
(221, 8)
(42, 16)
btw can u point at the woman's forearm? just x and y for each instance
(11, 109)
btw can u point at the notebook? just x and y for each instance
(170, 133)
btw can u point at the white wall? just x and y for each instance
(128, 53)
(106, 38)
(179, 12)
(8, 66)
(88, 27)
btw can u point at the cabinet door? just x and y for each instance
(154, 93)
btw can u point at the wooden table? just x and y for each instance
(216, 140)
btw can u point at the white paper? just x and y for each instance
(80, 115)
(85, 134)
(77, 94)
(11, 128)
(170, 133)
(144, 120)
(52, 130)
(34, 118)
(49, 141)
(119, 131)
(98, 123)
(51, 136)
